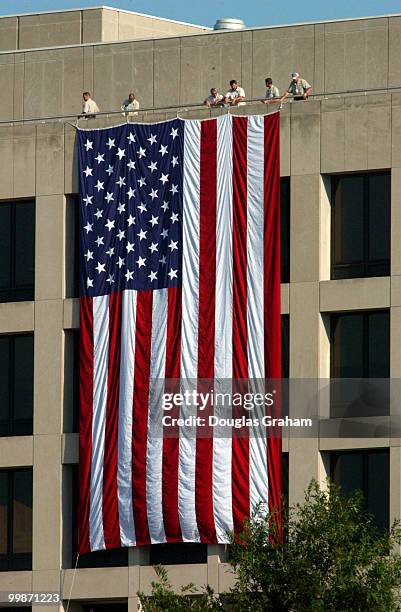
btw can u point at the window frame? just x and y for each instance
(366, 454)
(15, 561)
(16, 427)
(24, 292)
(364, 268)
(285, 270)
(365, 314)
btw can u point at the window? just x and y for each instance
(174, 554)
(15, 519)
(360, 349)
(285, 346)
(17, 251)
(360, 225)
(107, 607)
(72, 247)
(16, 385)
(285, 229)
(369, 472)
(71, 381)
(360, 344)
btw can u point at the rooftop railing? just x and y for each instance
(179, 109)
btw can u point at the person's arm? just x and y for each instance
(241, 97)
(206, 102)
(284, 96)
(228, 99)
(85, 107)
(307, 92)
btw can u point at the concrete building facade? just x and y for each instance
(46, 62)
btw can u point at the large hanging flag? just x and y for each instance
(180, 280)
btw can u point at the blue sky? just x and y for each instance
(205, 12)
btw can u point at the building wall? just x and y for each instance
(320, 137)
(84, 26)
(334, 56)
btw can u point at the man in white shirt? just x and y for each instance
(215, 99)
(89, 106)
(235, 96)
(272, 93)
(130, 106)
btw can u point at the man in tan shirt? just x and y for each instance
(299, 88)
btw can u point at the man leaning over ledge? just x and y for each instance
(299, 88)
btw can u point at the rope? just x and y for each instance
(72, 583)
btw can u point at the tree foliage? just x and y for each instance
(331, 559)
(164, 598)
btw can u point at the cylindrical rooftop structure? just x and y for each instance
(228, 23)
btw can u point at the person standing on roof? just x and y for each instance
(89, 106)
(215, 99)
(235, 96)
(130, 106)
(299, 88)
(272, 93)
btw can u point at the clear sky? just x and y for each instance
(205, 12)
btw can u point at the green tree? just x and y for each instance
(164, 598)
(331, 559)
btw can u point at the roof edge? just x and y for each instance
(109, 8)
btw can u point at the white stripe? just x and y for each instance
(255, 306)
(154, 449)
(223, 353)
(124, 466)
(189, 328)
(100, 378)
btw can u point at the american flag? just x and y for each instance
(180, 279)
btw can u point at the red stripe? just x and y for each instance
(240, 442)
(143, 342)
(85, 420)
(206, 326)
(171, 444)
(272, 312)
(111, 524)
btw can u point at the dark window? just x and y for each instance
(18, 608)
(16, 385)
(17, 251)
(360, 349)
(285, 346)
(367, 471)
(109, 607)
(360, 344)
(71, 381)
(15, 519)
(361, 225)
(285, 229)
(72, 248)
(175, 554)
(103, 558)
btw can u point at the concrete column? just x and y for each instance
(304, 460)
(216, 554)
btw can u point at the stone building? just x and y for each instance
(341, 261)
